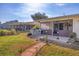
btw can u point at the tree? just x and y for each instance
(0, 22)
(38, 16)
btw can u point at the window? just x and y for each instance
(55, 26)
(60, 26)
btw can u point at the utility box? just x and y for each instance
(36, 32)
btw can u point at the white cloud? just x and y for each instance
(33, 7)
(60, 4)
(29, 9)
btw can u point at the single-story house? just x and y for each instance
(64, 25)
(19, 26)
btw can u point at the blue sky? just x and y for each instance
(22, 11)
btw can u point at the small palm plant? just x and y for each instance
(36, 27)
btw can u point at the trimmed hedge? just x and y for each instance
(7, 32)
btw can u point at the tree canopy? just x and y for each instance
(38, 16)
(0, 22)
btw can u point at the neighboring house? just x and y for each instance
(3, 26)
(63, 25)
(19, 26)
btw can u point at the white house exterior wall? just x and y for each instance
(76, 26)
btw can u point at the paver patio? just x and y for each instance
(62, 41)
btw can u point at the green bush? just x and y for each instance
(73, 35)
(2, 33)
(7, 32)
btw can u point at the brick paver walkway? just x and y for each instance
(33, 50)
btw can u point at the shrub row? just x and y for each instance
(7, 32)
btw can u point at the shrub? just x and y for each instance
(13, 31)
(2, 33)
(7, 32)
(73, 35)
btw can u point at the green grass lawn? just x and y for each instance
(14, 45)
(54, 50)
